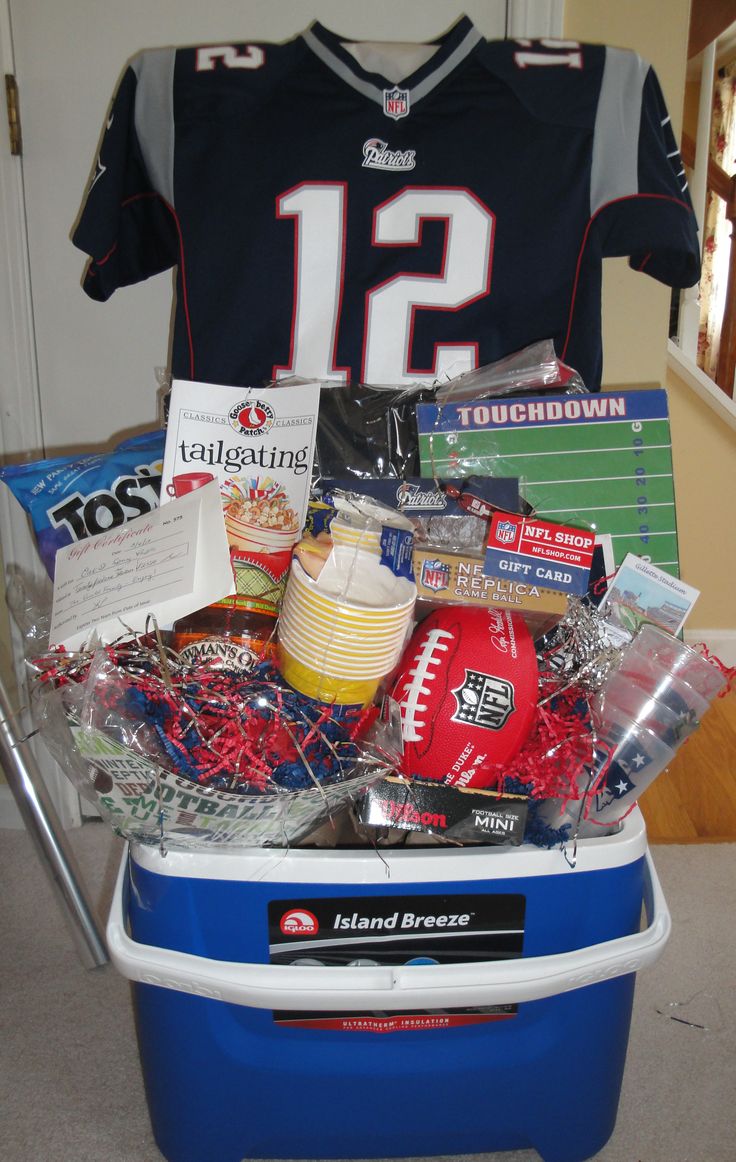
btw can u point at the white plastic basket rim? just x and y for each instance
(322, 988)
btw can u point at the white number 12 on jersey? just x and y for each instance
(320, 214)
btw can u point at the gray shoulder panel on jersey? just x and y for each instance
(374, 92)
(616, 135)
(154, 116)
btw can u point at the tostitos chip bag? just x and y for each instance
(70, 499)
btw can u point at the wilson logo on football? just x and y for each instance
(299, 922)
(251, 417)
(483, 700)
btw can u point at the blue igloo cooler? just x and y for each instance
(417, 1001)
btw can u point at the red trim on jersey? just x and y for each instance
(613, 202)
(102, 261)
(409, 369)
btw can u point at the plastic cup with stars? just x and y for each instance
(637, 756)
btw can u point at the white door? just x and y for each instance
(75, 373)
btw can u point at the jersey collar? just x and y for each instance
(454, 47)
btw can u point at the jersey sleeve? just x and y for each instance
(127, 225)
(640, 203)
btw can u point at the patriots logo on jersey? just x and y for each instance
(377, 155)
(396, 103)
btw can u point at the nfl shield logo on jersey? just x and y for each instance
(396, 103)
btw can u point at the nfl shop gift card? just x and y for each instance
(555, 556)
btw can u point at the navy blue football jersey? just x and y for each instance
(329, 223)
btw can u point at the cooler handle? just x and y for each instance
(382, 988)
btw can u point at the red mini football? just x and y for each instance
(467, 688)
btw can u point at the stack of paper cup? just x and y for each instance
(340, 635)
(356, 533)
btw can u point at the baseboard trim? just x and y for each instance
(10, 816)
(720, 642)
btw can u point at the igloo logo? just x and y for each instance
(299, 922)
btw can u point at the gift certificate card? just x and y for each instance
(167, 563)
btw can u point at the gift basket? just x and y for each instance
(379, 779)
(417, 658)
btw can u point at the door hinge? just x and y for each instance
(11, 96)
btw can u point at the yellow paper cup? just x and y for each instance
(306, 591)
(324, 657)
(323, 608)
(322, 632)
(343, 533)
(324, 687)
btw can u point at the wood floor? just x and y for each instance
(694, 800)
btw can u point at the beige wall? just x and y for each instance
(635, 321)
(704, 451)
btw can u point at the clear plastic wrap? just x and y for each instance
(190, 756)
(367, 432)
(69, 498)
(533, 369)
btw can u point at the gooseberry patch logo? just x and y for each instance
(251, 417)
(299, 922)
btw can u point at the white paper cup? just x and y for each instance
(336, 650)
(326, 662)
(353, 536)
(375, 581)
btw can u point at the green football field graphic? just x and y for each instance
(612, 475)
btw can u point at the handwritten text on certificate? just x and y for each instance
(154, 564)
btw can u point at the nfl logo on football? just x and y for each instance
(435, 575)
(396, 103)
(505, 532)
